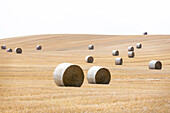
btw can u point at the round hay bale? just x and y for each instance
(98, 75)
(3, 47)
(145, 33)
(131, 54)
(89, 59)
(153, 64)
(118, 61)
(115, 53)
(9, 50)
(130, 48)
(18, 50)
(39, 47)
(138, 45)
(91, 47)
(67, 74)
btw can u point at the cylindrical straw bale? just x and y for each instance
(145, 33)
(67, 74)
(130, 48)
(9, 50)
(131, 54)
(115, 53)
(138, 45)
(3, 47)
(98, 75)
(18, 50)
(89, 59)
(39, 47)
(153, 64)
(91, 47)
(118, 61)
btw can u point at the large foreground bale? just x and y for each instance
(9, 50)
(153, 64)
(67, 74)
(39, 47)
(18, 50)
(115, 53)
(130, 48)
(91, 47)
(3, 47)
(89, 59)
(118, 61)
(131, 54)
(98, 75)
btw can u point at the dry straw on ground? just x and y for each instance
(98, 75)
(153, 64)
(67, 74)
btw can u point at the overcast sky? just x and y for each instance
(116, 17)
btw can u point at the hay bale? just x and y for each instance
(89, 59)
(145, 33)
(91, 47)
(118, 61)
(153, 64)
(9, 50)
(18, 50)
(39, 47)
(3, 47)
(138, 45)
(115, 53)
(98, 75)
(130, 48)
(67, 74)
(131, 54)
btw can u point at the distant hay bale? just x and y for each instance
(39, 47)
(130, 48)
(153, 64)
(9, 50)
(138, 45)
(18, 50)
(89, 59)
(118, 61)
(115, 53)
(67, 74)
(98, 75)
(145, 33)
(91, 47)
(3, 47)
(131, 54)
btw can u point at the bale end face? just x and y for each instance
(98, 75)
(155, 65)
(89, 59)
(115, 53)
(18, 50)
(118, 61)
(67, 74)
